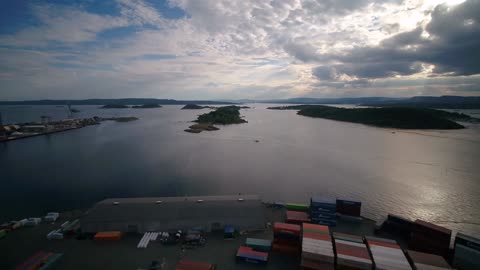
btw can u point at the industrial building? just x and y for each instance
(243, 212)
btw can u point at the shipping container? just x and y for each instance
(429, 244)
(296, 217)
(279, 227)
(349, 208)
(286, 248)
(431, 230)
(297, 207)
(386, 254)
(113, 235)
(247, 254)
(316, 265)
(425, 261)
(323, 211)
(348, 237)
(467, 241)
(352, 255)
(193, 265)
(317, 247)
(466, 258)
(259, 244)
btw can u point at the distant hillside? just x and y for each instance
(121, 101)
(404, 118)
(443, 102)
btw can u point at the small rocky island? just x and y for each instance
(196, 107)
(223, 116)
(114, 106)
(388, 117)
(147, 106)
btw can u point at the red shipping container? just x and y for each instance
(191, 265)
(384, 244)
(431, 230)
(248, 250)
(316, 227)
(296, 217)
(317, 236)
(349, 250)
(286, 228)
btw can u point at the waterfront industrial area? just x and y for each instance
(10, 132)
(230, 232)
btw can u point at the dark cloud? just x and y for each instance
(453, 47)
(340, 7)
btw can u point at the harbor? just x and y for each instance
(288, 239)
(18, 131)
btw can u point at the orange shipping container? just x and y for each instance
(108, 235)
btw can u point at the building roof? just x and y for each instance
(171, 209)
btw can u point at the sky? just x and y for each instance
(229, 49)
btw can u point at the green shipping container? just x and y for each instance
(259, 244)
(2, 233)
(297, 207)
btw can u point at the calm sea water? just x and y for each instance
(433, 175)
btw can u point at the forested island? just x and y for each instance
(389, 117)
(223, 115)
(147, 106)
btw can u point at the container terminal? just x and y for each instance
(230, 232)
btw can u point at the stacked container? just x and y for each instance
(349, 208)
(323, 211)
(386, 254)
(467, 252)
(296, 217)
(351, 253)
(425, 261)
(430, 238)
(259, 244)
(286, 238)
(317, 248)
(247, 254)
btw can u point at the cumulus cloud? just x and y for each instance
(243, 49)
(451, 46)
(58, 23)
